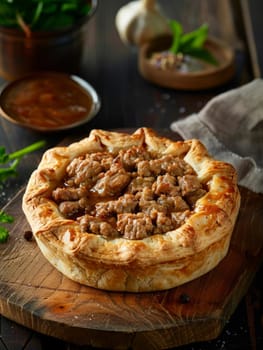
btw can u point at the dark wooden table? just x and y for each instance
(128, 101)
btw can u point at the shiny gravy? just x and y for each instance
(47, 101)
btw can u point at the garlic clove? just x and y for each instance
(141, 21)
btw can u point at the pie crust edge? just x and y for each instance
(155, 263)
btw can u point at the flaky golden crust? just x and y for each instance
(158, 262)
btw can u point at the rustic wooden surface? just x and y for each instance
(128, 101)
(36, 295)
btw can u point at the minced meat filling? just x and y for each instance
(134, 194)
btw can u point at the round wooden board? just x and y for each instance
(37, 296)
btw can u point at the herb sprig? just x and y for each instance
(191, 43)
(44, 15)
(8, 168)
(4, 233)
(9, 162)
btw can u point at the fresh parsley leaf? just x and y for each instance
(6, 218)
(195, 38)
(26, 150)
(4, 233)
(9, 162)
(191, 43)
(3, 156)
(37, 13)
(8, 168)
(202, 54)
(30, 15)
(6, 173)
(177, 31)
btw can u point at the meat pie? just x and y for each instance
(135, 212)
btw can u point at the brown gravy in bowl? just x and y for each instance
(47, 101)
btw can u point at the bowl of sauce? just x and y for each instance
(49, 101)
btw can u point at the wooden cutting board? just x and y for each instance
(37, 296)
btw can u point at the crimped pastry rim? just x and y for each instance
(85, 257)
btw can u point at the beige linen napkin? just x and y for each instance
(230, 126)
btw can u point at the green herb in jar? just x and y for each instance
(42, 15)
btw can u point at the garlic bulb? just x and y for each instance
(141, 21)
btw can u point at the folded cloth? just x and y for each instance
(231, 127)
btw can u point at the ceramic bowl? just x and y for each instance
(49, 101)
